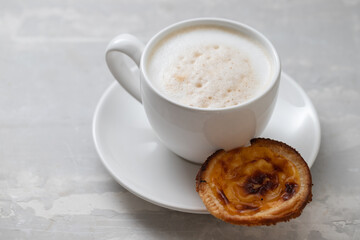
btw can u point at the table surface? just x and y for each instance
(52, 74)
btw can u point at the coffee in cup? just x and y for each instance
(209, 67)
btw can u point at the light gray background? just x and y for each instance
(52, 74)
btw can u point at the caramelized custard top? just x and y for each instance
(253, 179)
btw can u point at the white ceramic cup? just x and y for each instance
(190, 132)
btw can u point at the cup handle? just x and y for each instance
(132, 47)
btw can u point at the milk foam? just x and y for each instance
(209, 67)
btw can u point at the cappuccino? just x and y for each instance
(209, 67)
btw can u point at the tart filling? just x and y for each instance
(264, 183)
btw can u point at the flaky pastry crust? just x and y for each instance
(265, 183)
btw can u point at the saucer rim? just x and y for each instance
(187, 209)
(315, 117)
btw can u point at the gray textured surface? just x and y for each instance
(52, 74)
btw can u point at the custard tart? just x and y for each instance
(262, 184)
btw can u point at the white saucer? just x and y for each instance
(137, 160)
